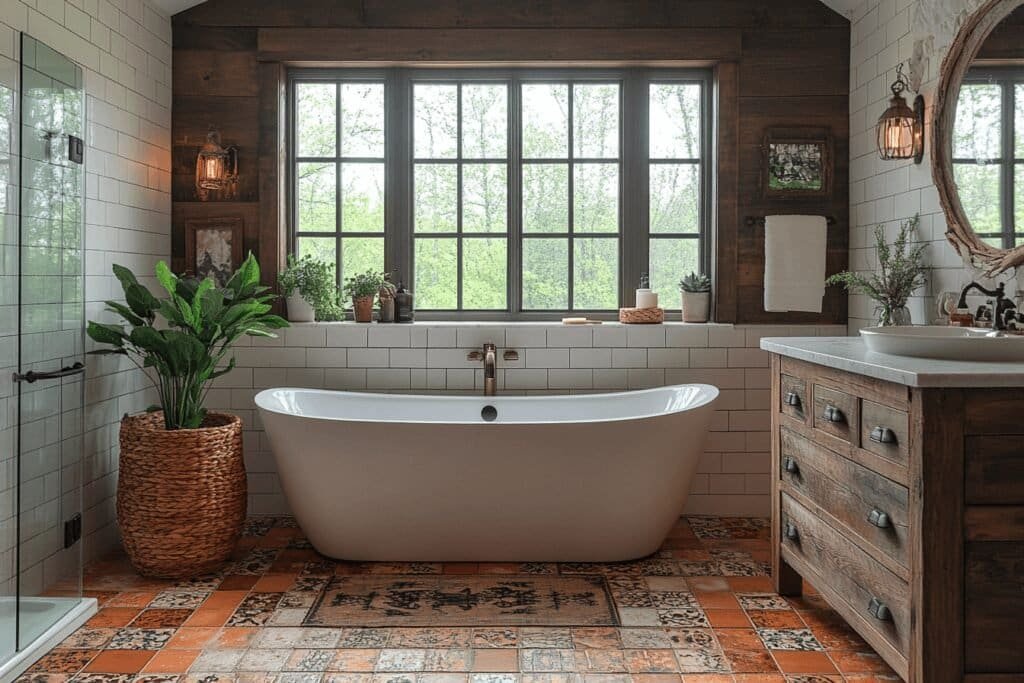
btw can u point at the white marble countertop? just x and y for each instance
(851, 355)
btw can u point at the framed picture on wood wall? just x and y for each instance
(213, 247)
(797, 163)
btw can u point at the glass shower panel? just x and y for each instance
(8, 355)
(50, 342)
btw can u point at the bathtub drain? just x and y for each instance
(489, 413)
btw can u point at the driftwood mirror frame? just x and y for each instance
(990, 260)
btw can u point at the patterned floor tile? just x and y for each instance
(699, 610)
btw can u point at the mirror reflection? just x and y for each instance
(988, 137)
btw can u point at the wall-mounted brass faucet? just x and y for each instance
(489, 357)
(1005, 309)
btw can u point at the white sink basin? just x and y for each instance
(950, 343)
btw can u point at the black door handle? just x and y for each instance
(66, 371)
(791, 532)
(793, 399)
(789, 464)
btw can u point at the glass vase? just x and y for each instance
(891, 316)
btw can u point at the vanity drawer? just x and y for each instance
(835, 413)
(864, 502)
(884, 431)
(878, 597)
(794, 396)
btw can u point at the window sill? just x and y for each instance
(507, 323)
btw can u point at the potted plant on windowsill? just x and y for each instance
(309, 290)
(362, 289)
(696, 294)
(901, 270)
(181, 492)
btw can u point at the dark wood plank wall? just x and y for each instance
(784, 63)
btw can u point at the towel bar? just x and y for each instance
(759, 220)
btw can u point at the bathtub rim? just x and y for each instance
(709, 394)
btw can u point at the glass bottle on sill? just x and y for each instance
(403, 304)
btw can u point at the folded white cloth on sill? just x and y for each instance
(794, 262)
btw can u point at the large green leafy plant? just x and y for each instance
(201, 323)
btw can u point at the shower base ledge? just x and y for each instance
(49, 639)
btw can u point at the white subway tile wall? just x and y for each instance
(430, 358)
(124, 48)
(884, 34)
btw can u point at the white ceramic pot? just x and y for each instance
(696, 306)
(299, 310)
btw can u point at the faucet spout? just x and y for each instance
(1004, 307)
(490, 361)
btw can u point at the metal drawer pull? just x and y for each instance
(791, 532)
(878, 610)
(789, 464)
(883, 435)
(793, 399)
(833, 414)
(66, 371)
(879, 519)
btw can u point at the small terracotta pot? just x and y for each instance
(362, 309)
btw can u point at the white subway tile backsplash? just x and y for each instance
(547, 358)
(327, 358)
(645, 336)
(367, 358)
(570, 336)
(590, 358)
(341, 334)
(668, 358)
(389, 335)
(629, 358)
(526, 336)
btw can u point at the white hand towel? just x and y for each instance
(794, 262)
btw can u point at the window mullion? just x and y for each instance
(634, 227)
(515, 198)
(572, 202)
(398, 189)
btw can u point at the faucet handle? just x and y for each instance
(510, 355)
(475, 355)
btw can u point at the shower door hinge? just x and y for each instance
(72, 530)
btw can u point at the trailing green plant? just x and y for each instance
(313, 279)
(363, 284)
(901, 270)
(696, 283)
(201, 322)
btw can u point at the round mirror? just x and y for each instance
(978, 141)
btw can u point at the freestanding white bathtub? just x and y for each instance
(593, 478)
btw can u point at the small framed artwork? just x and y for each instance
(213, 247)
(797, 163)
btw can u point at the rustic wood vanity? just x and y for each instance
(898, 494)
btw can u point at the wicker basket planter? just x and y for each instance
(181, 494)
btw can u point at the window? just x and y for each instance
(988, 154)
(504, 193)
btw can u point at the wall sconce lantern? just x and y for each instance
(900, 129)
(216, 167)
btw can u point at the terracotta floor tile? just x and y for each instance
(717, 600)
(238, 582)
(751, 661)
(751, 584)
(274, 583)
(120, 661)
(761, 678)
(113, 616)
(170, 662)
(235, 637)
(707, 678)
(191, 638)
(740, 639)
(353, 660)
(727, 618)
(132, 599)
(708, 584)
(860, 662)
(797, 662)
(496, 660)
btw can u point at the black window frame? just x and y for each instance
(634, 162)
(1007, 78)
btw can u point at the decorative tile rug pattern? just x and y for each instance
(452, 600)
(701, 610)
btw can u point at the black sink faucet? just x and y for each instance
(1004, 307)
